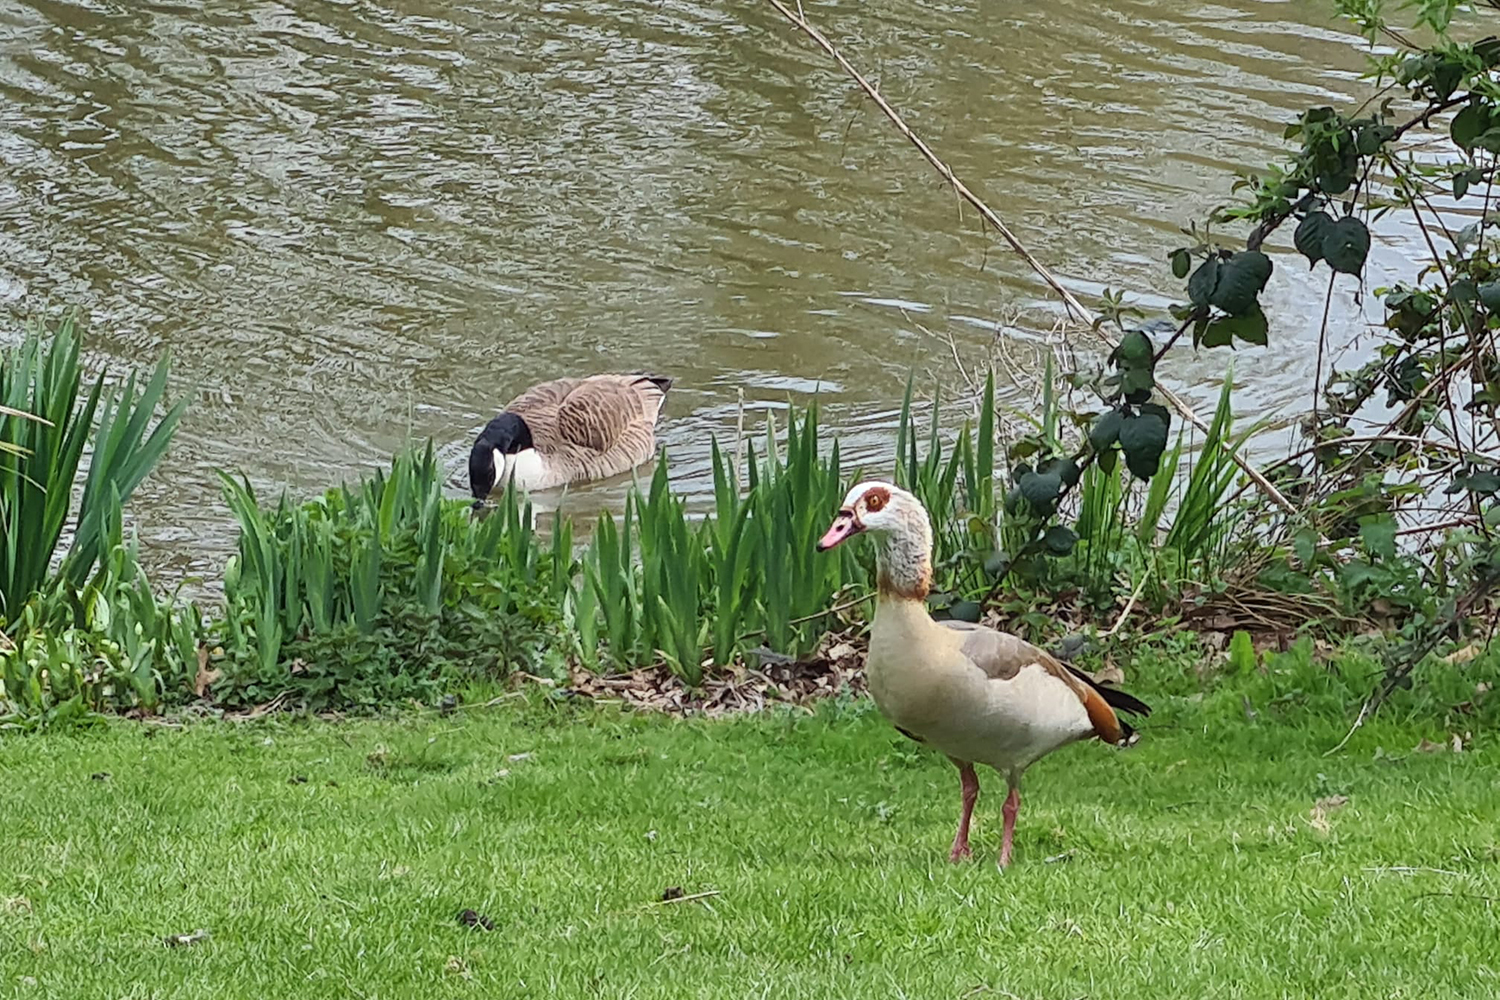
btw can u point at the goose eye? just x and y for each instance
(874, 502)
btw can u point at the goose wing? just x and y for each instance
(1002, 657)
(593, 414)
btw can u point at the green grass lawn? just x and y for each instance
(330, 861)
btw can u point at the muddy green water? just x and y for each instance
(354, 222)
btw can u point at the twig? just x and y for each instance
(1318, 369)
(800, 20)
(1454, 895)
(1069, 299)
(1130, 604)
(684, 899)
(835, 609)
(1359, 720)
(952, 347)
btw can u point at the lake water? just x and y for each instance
(357, 222)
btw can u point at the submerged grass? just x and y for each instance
(1213, 859)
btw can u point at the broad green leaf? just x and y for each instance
(1136, 382)
(965, 611)
(1489, 296)
(1106, 430)
(1060, 539)
(1143, 438)
(1489, 140)
(1067, 470)
(1310, 233)
(1251, 328)
(1203, 282)
(1241, 278)
(1134, 351)
(1372, 137)
(1478, 482)
(1242, 658)
(1181, 260)
(1040, 490)
(1218, 333)
(1346, 244)
(1378, 534)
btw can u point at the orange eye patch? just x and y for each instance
(874, 501)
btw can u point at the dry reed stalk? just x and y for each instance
(1070, 301)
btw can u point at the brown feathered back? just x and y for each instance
(595, 427)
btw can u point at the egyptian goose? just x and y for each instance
(978, 695)
(567, 431)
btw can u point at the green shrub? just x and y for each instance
(714, 589)
(43, 377)
(82, 629)
(384, 592)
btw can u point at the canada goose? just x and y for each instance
(978, 695)
(566, 431)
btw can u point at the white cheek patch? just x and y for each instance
(526, 469)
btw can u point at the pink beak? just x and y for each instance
(843, 526)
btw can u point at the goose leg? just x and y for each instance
(969, 785)
(1011, 808)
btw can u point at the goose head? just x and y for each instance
(504, 436)
(901, 529)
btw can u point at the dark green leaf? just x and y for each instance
(1310, 233)
(1379, 535)
(1106, 430)
(1107, 460)
(1181, 261)
(1372, 137)
(1241, 278)
(1136, 381)
(1251, 328)
(1067, 470)
(1305, 545)
(1024, 448)
(1488, 50)
(1134, 351)
(1460, 184)
(1477, 482)
(1218, 333)
(1060, 539)
(1346, 245)
(1489, 295)
(1040, 490)
(1446, 77)
(1463, 291)
(1339, 180)
(1143, 438)
(964, 611)
(1468, 124)
(996, 563)
(1203, 282)
(1489, 140)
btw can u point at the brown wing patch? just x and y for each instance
(543, 396)
(597, 413)
(1002, 655)
(999, 654)
(538, 406)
